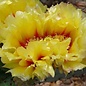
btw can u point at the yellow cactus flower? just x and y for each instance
(8, 7)
(11, 6)
(35, 41)
(23, 49)
(69, 26)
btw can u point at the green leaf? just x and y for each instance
(7, 82)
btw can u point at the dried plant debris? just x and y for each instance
(49, 3)
(52, 2)
(78, 3)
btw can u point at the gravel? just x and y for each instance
(73, 81)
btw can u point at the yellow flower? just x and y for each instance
(25, 48)
(11, 6)
(37, 41)
(8, 7)
(70, 29)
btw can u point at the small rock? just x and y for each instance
(37, 85)
(84, 83)
(67, 82)
(75, 78)
(53, 84)
(72, 84)
(77, 84)
(58, 82)
(46, 84)
(41, 84)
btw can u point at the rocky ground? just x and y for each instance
(73, 81)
